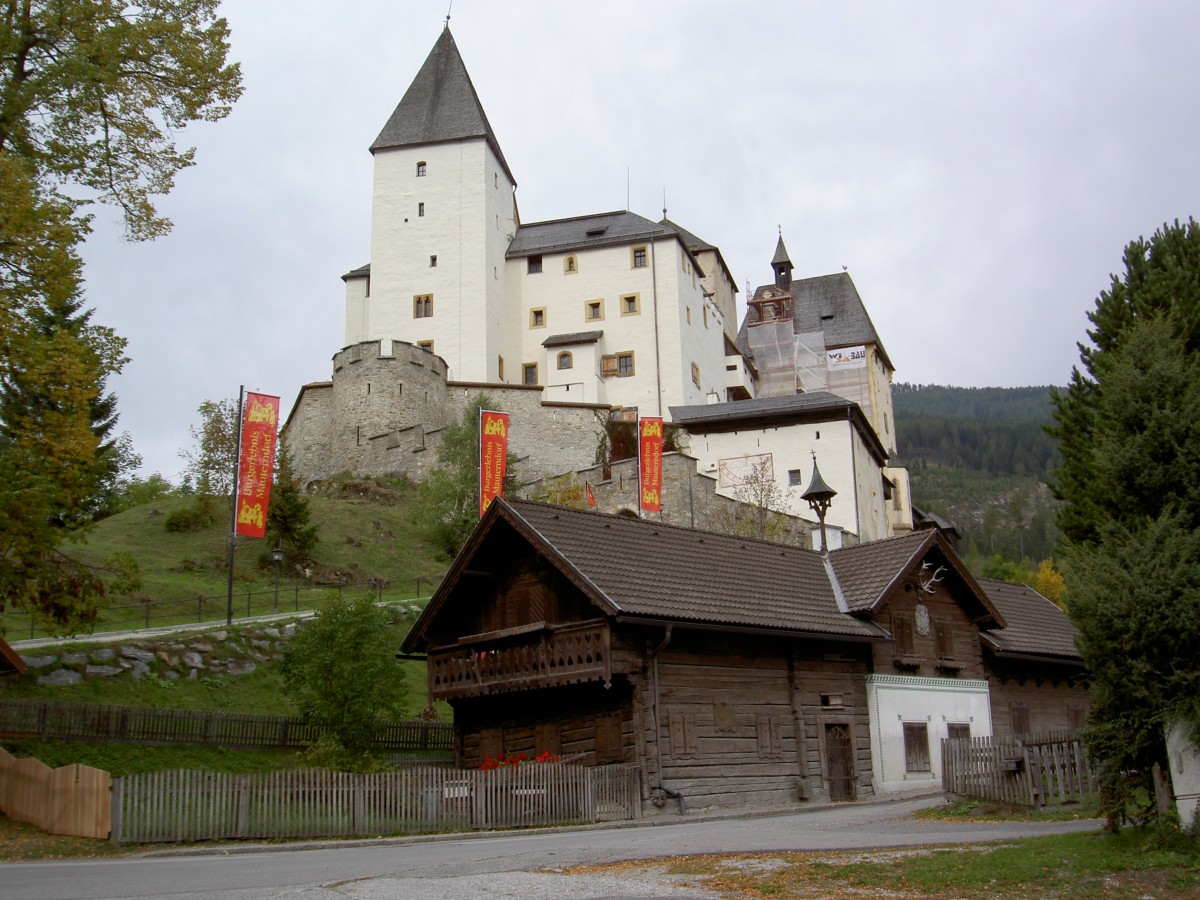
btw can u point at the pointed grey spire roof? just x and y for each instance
(440, 106)
(781, 254)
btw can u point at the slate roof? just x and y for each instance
(646, 570)
(781, 254)
(827, 303)
(577, 337)
(1035, 626)
(697, 245)
(561, 235)
(440, 106)
(811, 406)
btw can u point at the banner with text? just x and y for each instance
(493, 456)
(650, 441)
(260, 422)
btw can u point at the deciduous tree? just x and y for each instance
(340, 670)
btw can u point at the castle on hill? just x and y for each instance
(568, 322)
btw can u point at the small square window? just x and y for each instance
(639, 257)
(629, 305)
(537, 318)
(565, 360)
(421, 169)
(529, 373)
(533, 264)
(625, 364)
(795, 478)
(593, 310)
(433, 262)
(422, 306)
(425, 345)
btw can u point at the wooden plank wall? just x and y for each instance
(51, 720)
(196, 805)
(1050, 704)
(830, 689)
(68, 800)
(726, 728)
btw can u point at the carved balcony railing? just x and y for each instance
(542, 656)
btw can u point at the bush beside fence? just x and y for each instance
(196, 805)
(1034, 770)
(54, 720)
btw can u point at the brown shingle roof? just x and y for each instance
(646, 570)
(866, 572)
(1035, 626)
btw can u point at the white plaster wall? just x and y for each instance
(873, 520)
(791, 447)
(357, 322)
(1184, 758)
(463, 225)
(893, 700)
(883, 418)
(578, 384)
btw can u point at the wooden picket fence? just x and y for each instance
(197, 805)
(53, 720)
(68, 800)
(1033, 770)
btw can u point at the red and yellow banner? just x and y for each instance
(493, 456)
(260, 422)
(650, 441)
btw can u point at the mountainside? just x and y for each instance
(981, 458)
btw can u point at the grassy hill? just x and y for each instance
(366, 534)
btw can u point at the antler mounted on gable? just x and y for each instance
(929, 584)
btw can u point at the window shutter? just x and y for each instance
(902, 634)
(608, 365)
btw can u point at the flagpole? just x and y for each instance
(237, 461)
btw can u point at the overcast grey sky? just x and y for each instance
(977, 167)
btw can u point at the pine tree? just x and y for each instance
(288, 513)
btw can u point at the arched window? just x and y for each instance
(421, 169)
(565, 360)
(570, 266)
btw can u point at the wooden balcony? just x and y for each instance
(521, 658)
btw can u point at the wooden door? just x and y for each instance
(839, 762)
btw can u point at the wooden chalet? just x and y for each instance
(731, 671)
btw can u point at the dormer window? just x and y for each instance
(421, 169)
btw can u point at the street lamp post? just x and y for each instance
(277, 558)
(819, 497)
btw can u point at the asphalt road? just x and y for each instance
(512, 864)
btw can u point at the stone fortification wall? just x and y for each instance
(388, 403)
(689, 497)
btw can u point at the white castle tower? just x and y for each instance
(443, 214)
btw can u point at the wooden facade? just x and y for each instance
(608, 640)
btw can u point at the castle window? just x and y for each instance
(569, 265)
(420, 210)
(422, 306)
(625, 364)
(421, 169)
(639, 258)
(533, 265)
(529, 373)
(500, 366)
(425, 345)
(496, 179)
(565, 360)
(695, 375)
(689, 315)
(537, 318)
(629, 305)
(706, 317)
(593, 310)
(433, 261)
(795, 478)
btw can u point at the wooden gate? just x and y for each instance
(839, 762)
